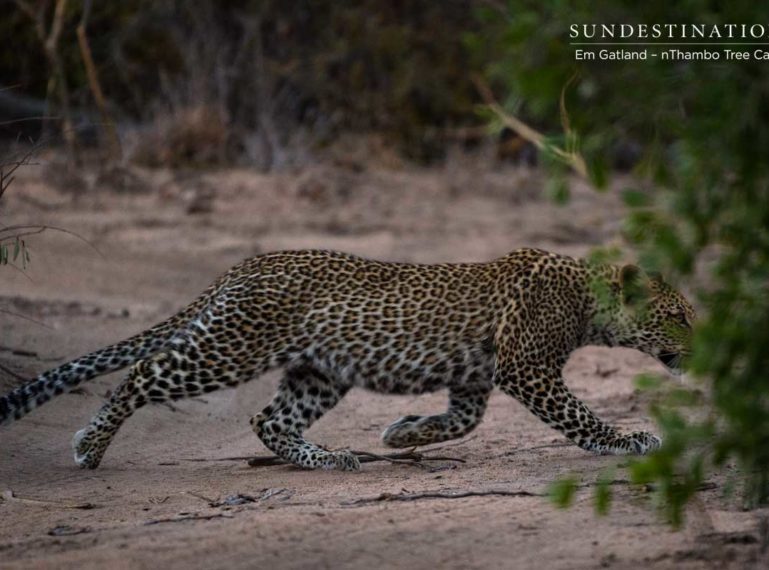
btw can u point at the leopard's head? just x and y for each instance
(653, 317)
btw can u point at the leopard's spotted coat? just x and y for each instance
(333, 321)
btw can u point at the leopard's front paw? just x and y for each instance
(89, 449)
(411, 431)
(342, 460)
(636, 443)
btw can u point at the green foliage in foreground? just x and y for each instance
(12, 250)
(699, 211)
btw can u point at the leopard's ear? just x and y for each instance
(656, 276)
(635, 286)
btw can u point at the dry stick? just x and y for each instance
(403, 458)
(19, 351)
(461, 494)
(33, 229)
(570, 157)
(439, 495)
(450, 444)
(8, 169)
(24, 317)
(10, 497)
(189, 518)
(537, 447)
(13, 374)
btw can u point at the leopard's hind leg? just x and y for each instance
(170, 375)
(467, 404)
(303, 396)
(206, 357)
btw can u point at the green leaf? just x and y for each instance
(636, 199)
(647, 382)
(602, 496)
(561, 491)
(604, 255)
(598, 173)
(557, 189)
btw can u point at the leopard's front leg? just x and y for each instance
(534, 337)
(545, 394)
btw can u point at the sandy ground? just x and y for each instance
(156, 501)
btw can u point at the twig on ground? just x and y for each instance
(410, 457)
(439, 495)
(450, 444)
(12, 374)
(536, 447)
(189, 518)
(10, 497)
(199, 496)
(233, 458)
(24, 317)
(67, 530)
(19, 351)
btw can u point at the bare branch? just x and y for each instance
(12, 373)
(410, 457)
(26, 318)
(189, 518)
(107, 124)
(8, 495)
(406, 458)
(56, 25)
(570, 157)
(19, 351)
(7, 169)
(439, 495)
(36, 229)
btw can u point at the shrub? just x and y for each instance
(700, 205)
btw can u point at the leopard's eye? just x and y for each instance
(680, 318)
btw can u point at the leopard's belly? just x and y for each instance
(420, 368)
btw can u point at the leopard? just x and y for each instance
(334, 321)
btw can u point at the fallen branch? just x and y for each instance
(12, 374)
(439, 495)
(19, 351)
(10, 497)
(453, 443)
(537, 447)
(24, 318)
(189, 518)
(404, 458)
(233, 458)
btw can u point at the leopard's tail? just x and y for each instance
(66, 377)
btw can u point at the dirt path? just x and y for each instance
(151, 501)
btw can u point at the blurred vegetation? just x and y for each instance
(269, 67)
(699, 209)
(13, 246)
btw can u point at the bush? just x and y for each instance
(330, 67)
(700, 205)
